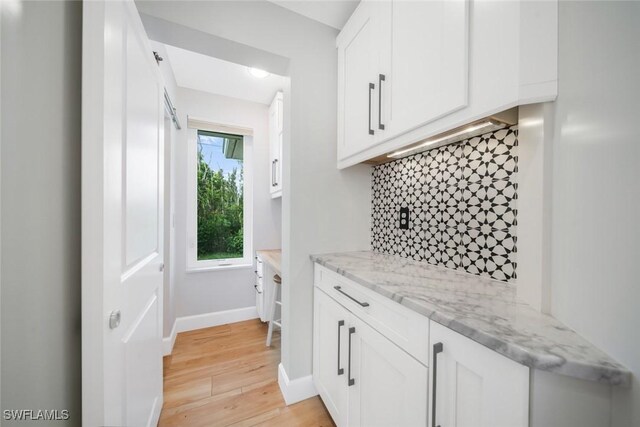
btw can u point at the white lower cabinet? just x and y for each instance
(389, 387)
(474, 386)
(370, 368)
(363, 378)
(329, 355)
(259, 288)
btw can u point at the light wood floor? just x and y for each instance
(226, 376)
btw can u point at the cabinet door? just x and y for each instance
(260, 290)
(475, 386)
(277, 185)
(357, 71)
(425, 67)
(389, 387)
(273, 121)
(330, 323)
(279, 112)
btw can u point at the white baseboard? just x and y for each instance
(296, 390)
(155, 412)
(206, 320)
(168, 342)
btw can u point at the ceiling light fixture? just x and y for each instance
(258, 73)
(464, 131)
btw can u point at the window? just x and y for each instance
(219, 191)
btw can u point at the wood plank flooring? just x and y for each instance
(226, 376)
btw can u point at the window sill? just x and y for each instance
(211, 268)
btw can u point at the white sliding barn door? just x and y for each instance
(122, 219)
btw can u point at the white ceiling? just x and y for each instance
(208, 74)
(333, 13)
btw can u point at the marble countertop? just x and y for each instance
(482, 309)
(273, 257)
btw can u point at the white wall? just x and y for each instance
(212, 291)
(41, 78)
(596, 178)
(323, 209)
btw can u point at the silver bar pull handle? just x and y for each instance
(371, 87)
(381, 78)
(340, 325)
(352, 381)
(339, 289)
(437, 348)
(275, 173)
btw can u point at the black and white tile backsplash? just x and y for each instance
(462, 203)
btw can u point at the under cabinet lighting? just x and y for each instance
(468, 130)
(258, 73)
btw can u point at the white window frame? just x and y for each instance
(193, 264)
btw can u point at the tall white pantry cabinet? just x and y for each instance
(276, 114)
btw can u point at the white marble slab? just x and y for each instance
(482, 309)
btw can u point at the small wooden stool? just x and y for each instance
(277, 282)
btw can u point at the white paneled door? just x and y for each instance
(122, 219)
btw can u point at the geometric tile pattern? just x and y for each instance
(462, 201)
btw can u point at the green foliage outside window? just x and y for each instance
(220, 205)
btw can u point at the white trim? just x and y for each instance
(155, 412)
(204, 124)
(168, 342)
(0, 198)
(296, 390)
(1, 14)
(192, 199)
(218, 268)
(92, 334)
(214, 264)
(206, 320)
(217, 318)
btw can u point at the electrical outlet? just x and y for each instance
(404, 218)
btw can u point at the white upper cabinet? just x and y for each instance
(275, 144)
(409, 70)
(401, 64)
(357, 63)
(423, 63)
